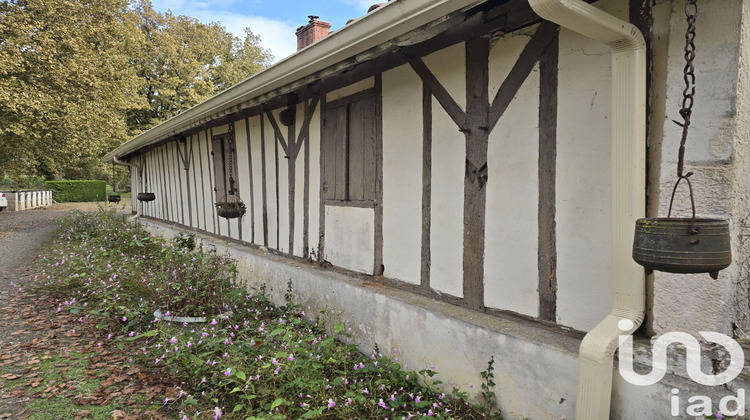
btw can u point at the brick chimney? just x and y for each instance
(314, 31)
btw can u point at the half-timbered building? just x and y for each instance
(460, 179)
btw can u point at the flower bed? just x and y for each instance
(263, 361)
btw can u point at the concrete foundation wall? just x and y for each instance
(535, 367)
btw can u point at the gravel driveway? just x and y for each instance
(22, 235)
(23, 232)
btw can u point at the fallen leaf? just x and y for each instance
(118, 414)
(83, 413)
(5, 415)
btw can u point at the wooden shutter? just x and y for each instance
(334, 146)
(361, 138)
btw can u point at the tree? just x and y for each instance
(63, 91)
(183, 62)
(79, 77)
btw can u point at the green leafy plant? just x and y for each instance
(263, 361)
(488, 383)
(184, 241)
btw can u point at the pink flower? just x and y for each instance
(381, 403)
(290, 358)
(213, 322)
(331, 403)
(228, 372)
(124, 319)
(173, 340)
(217, 413)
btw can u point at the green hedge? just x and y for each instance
(77, 191)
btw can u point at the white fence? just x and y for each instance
(24, 200)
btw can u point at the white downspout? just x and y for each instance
(628, 165)
(133, 194)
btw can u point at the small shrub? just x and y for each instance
(77, 191)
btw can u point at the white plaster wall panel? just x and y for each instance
(256, 154)
(583, 183)
(446, 229)
(134, 185)
(184, 193)
(283, 184)
(158, 184)
(402, 174)
(350, 238)
(314, 203)
(147, 208)
(504, 53)
(512, 226)
(351, 89)
(283, 202)
(208, 192)
(181, 185)
(270, 145)
(448, 66)
(243, 177)
(200, 191)
(195, 183)
(174, 181)
(166, 171)
(299, 188)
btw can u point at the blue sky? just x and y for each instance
(274, 20)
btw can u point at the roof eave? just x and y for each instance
(391, 20)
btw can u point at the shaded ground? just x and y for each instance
(54, 365)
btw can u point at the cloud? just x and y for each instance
(363, 5)
(275, 35)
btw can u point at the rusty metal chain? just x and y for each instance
(688, 98)
(231, 158)
(145, 174)
(688, 75)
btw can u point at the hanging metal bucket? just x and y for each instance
(146, 196)
(229, 210)
(683, 245)
(112, 198)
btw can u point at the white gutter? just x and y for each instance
(393, 19)
(628, 165)
(133, 194)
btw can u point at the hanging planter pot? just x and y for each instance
(684, 245)
(146, 196)
(229, 210)
(689, 245)
(114, 198)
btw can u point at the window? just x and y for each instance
(225, 167)
(348, 148)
